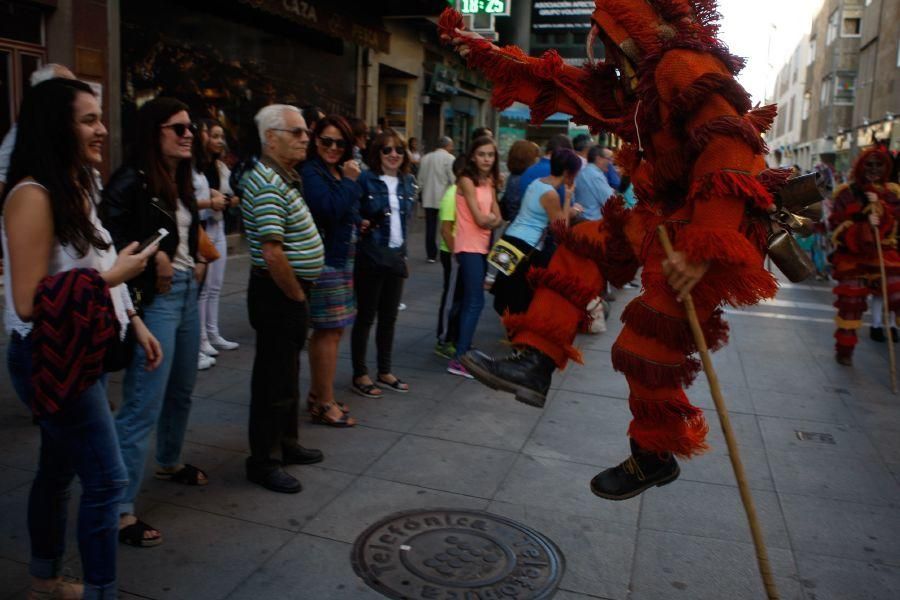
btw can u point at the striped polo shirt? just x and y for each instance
(274, 211)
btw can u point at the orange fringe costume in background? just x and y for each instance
(855, 257)
(695, 155)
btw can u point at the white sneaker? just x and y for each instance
(401, 306)
(205, 362)
(207, 348)
(598, 318)
(222, 344)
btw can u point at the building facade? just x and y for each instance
(789, 93)
(878, 90)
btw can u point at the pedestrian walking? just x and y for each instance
(435, 176)
(451, 294)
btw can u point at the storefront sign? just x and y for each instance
(444, 81)
(561, 15)
(312, 15)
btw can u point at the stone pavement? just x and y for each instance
(829, 510)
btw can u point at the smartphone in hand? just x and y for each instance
(156, 238)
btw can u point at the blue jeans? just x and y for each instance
(161, 397)
(80, 440)
(472, 269)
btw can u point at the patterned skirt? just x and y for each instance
(331, 302)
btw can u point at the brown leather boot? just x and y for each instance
(55, 589)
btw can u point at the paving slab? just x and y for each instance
(598, 553)
(204, 556)
(827, 578)
(446, 466)
(368, 500)
(306, 567)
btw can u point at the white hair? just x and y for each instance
(48, 72)
(272, 117)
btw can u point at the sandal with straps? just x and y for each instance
(311, 404)
(366, 390)
(133, 535)
(397, 385)
(319, 414)
(186, 475)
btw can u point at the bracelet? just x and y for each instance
(132, 315)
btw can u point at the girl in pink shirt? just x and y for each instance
(477, 213)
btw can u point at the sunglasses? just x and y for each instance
(386, 150)
(296, 131)
(181, 129)
(329, 142)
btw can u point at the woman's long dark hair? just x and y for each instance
(339, 123)
(48, 150)
(146, 154)
(471, 170)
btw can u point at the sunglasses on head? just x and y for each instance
(386, 150)
(328, 142)
(181, 129)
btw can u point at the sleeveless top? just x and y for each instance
(469, 236)
(64, 258)
(532, 219)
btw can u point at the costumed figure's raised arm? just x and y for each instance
(547, 84)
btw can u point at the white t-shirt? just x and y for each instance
(396, 225)
(64, 258)
(183, 260)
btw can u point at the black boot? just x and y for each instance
(876, 334)
(894, 335)
(638, 472)
(526, 373)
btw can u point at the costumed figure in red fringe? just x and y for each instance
(695, 155)
(868, 206)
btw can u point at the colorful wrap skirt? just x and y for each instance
(331, 301)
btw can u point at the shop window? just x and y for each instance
(21, 23)
(16, 67)
(396, 106)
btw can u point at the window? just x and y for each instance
(804, 111)
(825, 96)
(845, 89)
(790, 117)
(832, 32)
(851, 24)
(812, 52)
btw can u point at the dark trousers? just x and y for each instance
(280, 325)
(451, 299)
(377, 296)
(472, 269)
(431, 226)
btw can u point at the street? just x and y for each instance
(828, 504)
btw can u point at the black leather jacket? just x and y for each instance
(132, 214)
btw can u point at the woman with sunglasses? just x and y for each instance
(388, 194)
(477, 213)
(154, 190)
(214, 197)
(331, 191)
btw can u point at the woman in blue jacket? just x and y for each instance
(332, 193)
(388, 194)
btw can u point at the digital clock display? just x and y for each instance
(487, 7)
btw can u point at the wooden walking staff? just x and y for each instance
(762, 556)
(886, 311)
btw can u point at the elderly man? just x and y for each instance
(592, 189)
(41, 75)
(287, 256)
(435, 176)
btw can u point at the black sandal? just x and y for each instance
(311, 404)
(319, 415)
(186, 475)
(133, 535)
(366, 390)
(397, 385)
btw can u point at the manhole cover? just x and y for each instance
(461, 554)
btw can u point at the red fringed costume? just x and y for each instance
(855, 257)
(695, 155)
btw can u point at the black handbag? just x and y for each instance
(120, 351)
(389, 261)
